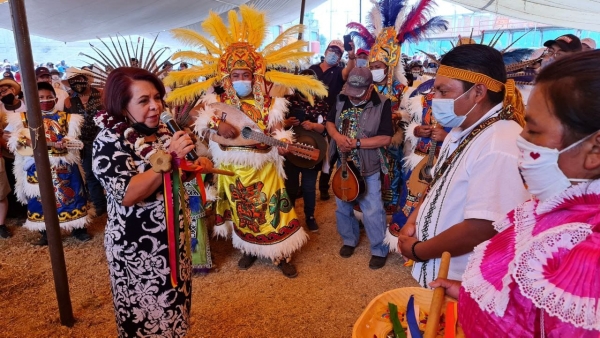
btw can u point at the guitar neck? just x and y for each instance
(431, 154)
(262, 138)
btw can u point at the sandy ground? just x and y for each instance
(325, 299)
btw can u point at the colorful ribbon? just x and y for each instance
(397, 326)
(173, 190)
(412, 319)
(451, 319)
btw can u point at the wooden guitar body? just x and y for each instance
(418, 183)
(348, 185)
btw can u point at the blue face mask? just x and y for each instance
(361, 63)
(331, 58)
(443, 111)
(242, 88)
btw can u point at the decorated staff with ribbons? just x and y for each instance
(142, 166)
(390, 25)
(472, 96)
(61, 131)
(253, 205)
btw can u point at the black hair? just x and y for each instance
(480, 59)
(571, 85)
(46, 86)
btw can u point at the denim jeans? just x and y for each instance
(94, 188)
(309, 183)
(373, 218)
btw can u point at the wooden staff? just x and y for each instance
(437, 301)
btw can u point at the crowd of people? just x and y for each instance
(431, 156)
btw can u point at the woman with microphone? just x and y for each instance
(149, 261)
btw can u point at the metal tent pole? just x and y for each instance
(40, 155)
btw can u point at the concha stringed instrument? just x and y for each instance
(298, 149)
(420, 178)
(347, 182)
(70, 145)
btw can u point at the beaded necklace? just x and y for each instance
(132, 137)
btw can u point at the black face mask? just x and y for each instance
(142, 128)
(8, 99)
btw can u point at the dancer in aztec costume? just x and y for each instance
(253, 205)
(71, 203)
(389, 26)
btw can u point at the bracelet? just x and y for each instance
(414, 254)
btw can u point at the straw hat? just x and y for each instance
(12, 83)
(72, 72)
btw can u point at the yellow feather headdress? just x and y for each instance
(237, 47)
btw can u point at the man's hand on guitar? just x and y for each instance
(423, 131)
(227, 130)
(290, 122)
(438, 134)
(283, 151)
(344, 143)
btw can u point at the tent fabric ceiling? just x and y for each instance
(581, 14)
(76, 20)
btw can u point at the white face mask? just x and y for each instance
(539, 168)
(378, 75)
(443, 111)
(242, 88)
(361, 63)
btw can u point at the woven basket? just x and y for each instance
(370, 323)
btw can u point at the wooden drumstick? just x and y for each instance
(437, 300)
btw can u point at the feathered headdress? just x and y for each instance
(237, 47)
(388, 26)
(127, 54)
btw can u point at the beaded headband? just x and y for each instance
(472, 77)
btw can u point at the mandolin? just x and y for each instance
(70, 145)
(298, 149)
(420, 178)
(347, 182)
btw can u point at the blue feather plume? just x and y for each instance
(517, 55)
(390, 10)
(434, 25)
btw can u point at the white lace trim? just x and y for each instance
(578, 190)
(529, 275)
(483, 292)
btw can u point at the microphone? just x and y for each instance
(167, 119)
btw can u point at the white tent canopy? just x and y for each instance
(76, 20)
(582, 14)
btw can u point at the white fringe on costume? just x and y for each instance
(390, 240)
(67, 226)
(25, 190)
(415, 109)
(273, 251)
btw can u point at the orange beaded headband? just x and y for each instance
(469, 76)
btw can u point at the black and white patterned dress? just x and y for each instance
(146, 304)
